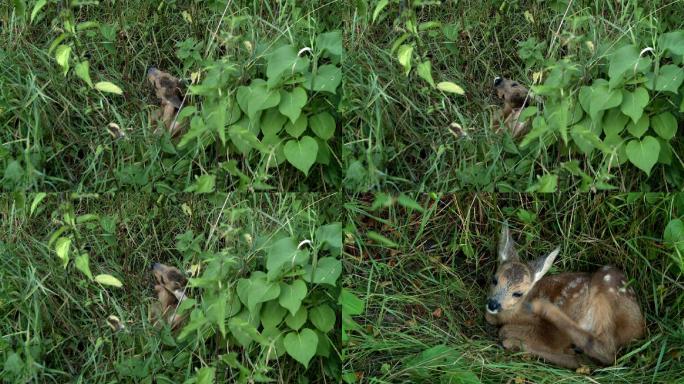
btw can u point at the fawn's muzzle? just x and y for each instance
(493, 306)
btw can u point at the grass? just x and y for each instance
(398, 134)
(53, 319)
(55, 135)
(425, 295)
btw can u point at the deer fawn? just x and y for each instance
(170, 288)
(515, 98)
(563, 318)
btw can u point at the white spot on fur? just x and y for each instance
(606, 278)
(611, 290)
(622, 290)
(574, 296)
(605, 268)
(587, 322)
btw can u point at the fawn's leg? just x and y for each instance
(598, 348)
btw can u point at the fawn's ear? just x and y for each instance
(543, 264)
(507, 250)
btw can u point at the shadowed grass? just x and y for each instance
(425, 297)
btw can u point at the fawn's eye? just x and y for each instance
(493, 280)
(517, 294)
(514, 85)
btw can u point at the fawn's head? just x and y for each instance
(511, 92)
(513, 278)
(167, 88)
(170, 285)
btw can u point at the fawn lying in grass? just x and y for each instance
(169, 91)
(565, 318)
(515, 98)
(170, 288)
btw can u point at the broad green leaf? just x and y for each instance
(297, 320)
(327, 271)
(204, 375)
(108, 280)
(244, 331)
(291, 103)
(633, 103)
(197, 128)
(323, 317)
(62, 249)
(448, 86)
(36, 8)
(82, 71)
(625, 60)
(614, 122)
(82, 264)
(557, 116)
(106, 86)
(327, 79)
(548, 183)
(301, 153)
(331, 42)
(669, 78)
(323, 125)
(665, 154)
(331, 236)
(301, 345)
(672, 41)
(256, 97)
(257, 289)
(243, 139)
(378, 8)
(295, 130)
(404, 55)
(291, 295)
(62, 54)
(216, 310)
(424, 70)
(643, 153)
(665, 125)
(351, 305)
(272, 313)
(599, 97)
(197, 321)
(203, 184)
(640, 127)
(674, 233)
(283, 62)
(272, 122)
(283, 255)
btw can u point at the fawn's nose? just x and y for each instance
(497, 81)
(493, 305)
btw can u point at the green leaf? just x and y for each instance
(36, 201)
(380, 239)
(295, 130)
(256, 97)
(204, 375)
(108, 280)
(203, 184)
(272, 122)
(36, 8)
(669, 78)
(272, 313)
(404, 55)
(62, 54)
(643, 153)
(256, 290)
(284, 255)
(327, 271)
(301, 153)
(216, 310)
(323, 317)
(301, 345)
(557, 116)
(674, 232)
(407, 202)
(62, 249)
(672, 41)
(106, 86)
(633, 103)
(297, 320)
(448, 86)
(82, 264)
(331, 42)
(599, 97)
(291, 295)
(351, 305)
(625, 60)
(243, 139)
(424, 70)
(284, 62)
(378, 8)
(291, 103)
(331, 237)
(614, 122)
(327, 79)
(665, 125)
(82, 71)
(323, 125)
(640, 127)
(548, 183)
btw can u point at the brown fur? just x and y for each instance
(169, 91)
(515, 98)
(567, 318)
(170, 288)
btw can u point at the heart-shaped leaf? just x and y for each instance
(323, 125)
(327, 271)
(643, 153)
(291, 103)
(633, 103)
(669, 78)
(295, 130)
(599, 97)
(404, 55)
(301, 153)
(298, 319)
(291, 295)
(327, 79)
(672, 42)
(301, 345)
(640, 127)
(323, 317)
(82, 71)
(665, 125)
